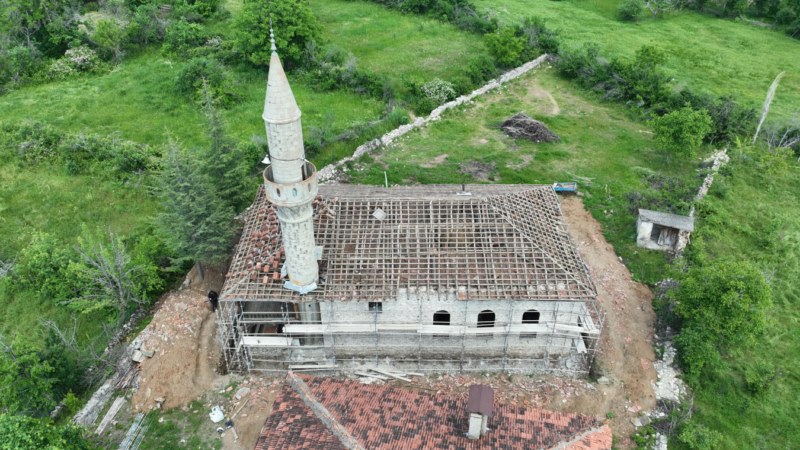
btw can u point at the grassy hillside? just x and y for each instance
(138, 100)
(756, 216)
(705, 53)
(402, 47)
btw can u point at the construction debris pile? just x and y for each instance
(522, 126)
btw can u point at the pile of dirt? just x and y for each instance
(522, 126)
(185, 355)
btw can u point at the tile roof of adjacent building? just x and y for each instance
(387, 417)
(485, 242)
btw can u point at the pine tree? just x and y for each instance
(223, 162)
(196, 222)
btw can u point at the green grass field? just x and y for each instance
(705, 53)
(757, 217)
(402, 47)
(138, 100)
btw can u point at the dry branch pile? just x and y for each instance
(522, 126)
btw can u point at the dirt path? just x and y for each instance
(626, 350)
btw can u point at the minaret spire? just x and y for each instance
(290, 180)
(272, 38)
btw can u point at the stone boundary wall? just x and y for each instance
(328, 173)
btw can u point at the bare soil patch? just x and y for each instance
(480, 171)
(626, 350)
(526, 160)
(434, 162)
(542, 98)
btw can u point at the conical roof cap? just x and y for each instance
(279, 105)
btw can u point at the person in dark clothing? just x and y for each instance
(213, 298)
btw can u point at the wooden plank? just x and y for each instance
(389, 374)
(312, 367)
(371, 375)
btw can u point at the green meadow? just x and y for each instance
(401, 47)
(709, 54)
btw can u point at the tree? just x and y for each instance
(110, 37)
(295, 28)
(223, 163)
(110, 279)
(682, 130)
(195, 222)
(722, 306)
(27, 433)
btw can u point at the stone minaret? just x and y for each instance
(290, 180)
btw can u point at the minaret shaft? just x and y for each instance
(290, 180)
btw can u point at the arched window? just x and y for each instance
(441, 318)
(486, 319)
(530, 316)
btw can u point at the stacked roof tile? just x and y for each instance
(386, 417)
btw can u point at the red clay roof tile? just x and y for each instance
(385, 417)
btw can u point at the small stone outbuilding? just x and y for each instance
(663, 231)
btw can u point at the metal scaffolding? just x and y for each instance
(503, 245)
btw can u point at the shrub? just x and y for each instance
(758, 377)
(34, 142)
(296, 27)
(682, 130)
(42, 267)
(776, 161)
(427, 96)
(206, 8)
(146, 26)
(438, 91)
(697, 437)
(481, 69)
(109, 36)
(630, 10)
(209, 71)
(539, 37)
(75, 60)
(182, 36)
(722, 306)
(505, 46)
(28, 433)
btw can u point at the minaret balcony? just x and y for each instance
(292, 194)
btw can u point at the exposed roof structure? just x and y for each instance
(488, 242)
(685, 223)
(313, 413)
